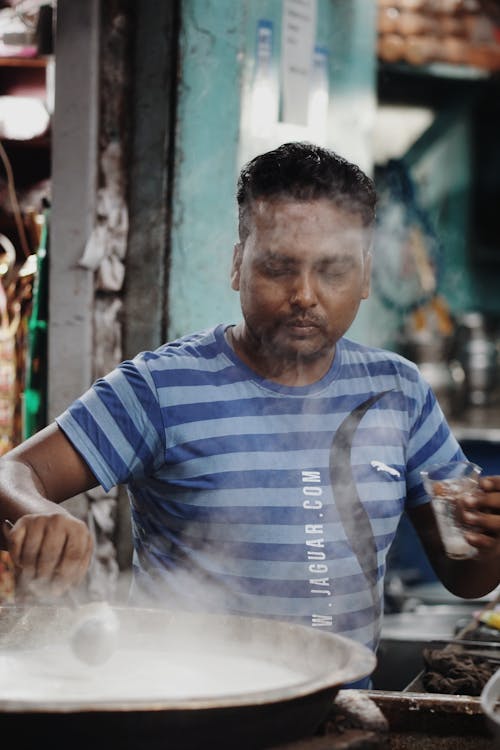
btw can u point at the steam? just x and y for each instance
(170, 657)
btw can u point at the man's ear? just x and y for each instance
(235, 268)
(367, 272)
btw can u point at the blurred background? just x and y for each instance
(123, 126)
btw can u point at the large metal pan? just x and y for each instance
(245, 720)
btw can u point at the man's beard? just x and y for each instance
(280, 355)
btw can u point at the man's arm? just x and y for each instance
(478, 576)
(49, 546)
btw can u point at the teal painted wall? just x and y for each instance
(207, 135)
(441, 169)
(444, 174)
(217, 55)
(218, 43)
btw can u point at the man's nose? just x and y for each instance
(303, 293)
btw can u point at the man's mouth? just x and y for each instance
(302, 327)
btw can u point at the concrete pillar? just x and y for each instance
(74, 179)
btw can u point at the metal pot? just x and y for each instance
(478, 352)
(444, 373)
(253, 719)
(489, 699)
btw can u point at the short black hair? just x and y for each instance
(305, 171)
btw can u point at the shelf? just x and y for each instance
(24, 62)
(437, 70)
(479, 423)
(41, 141)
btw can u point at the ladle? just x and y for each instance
(94, 635)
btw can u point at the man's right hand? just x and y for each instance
(50, 548)
(51, 552)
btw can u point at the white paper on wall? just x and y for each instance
(297, 56)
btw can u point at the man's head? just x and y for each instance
(302, 265)
(305, 172)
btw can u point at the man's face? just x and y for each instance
(301, 274)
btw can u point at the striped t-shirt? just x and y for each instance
(256, 498)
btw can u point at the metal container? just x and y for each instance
(490, 704)
(245, 719)
(434, 722)
(444, 373)
(478, 353)
(404, 637)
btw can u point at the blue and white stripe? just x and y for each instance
(215, 458)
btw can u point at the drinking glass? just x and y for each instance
(446, 484)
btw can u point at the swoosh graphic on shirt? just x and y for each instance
(352, 512)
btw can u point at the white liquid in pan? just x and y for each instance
(53, 674)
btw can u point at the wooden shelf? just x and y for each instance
(24, 62)
(437, 70)
(40, 141)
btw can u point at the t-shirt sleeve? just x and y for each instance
(117, 425)
(431, 441)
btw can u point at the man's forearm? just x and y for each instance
(21, 491)
(470, 579)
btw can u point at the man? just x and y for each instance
(268, 462)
